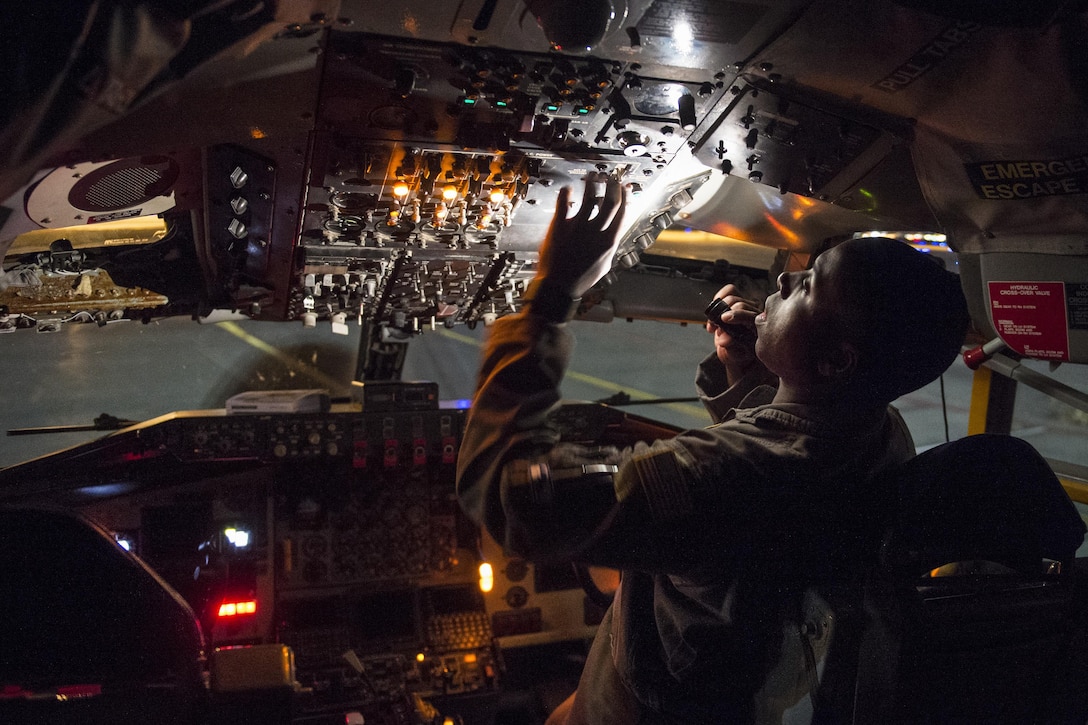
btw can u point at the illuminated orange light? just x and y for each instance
(232, 609)
(449, 193)
(400, 189)
(497, 196)
(487, 577)
(470, 658)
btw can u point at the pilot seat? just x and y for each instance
(88, 633)
(975, 610)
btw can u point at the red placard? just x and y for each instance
(1030, 318)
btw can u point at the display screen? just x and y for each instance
(177, 531)
(319, 613)
(385, 617)
(451, 600)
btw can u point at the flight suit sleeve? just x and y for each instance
(517, 387)
(518, 384)
(635, 518)
(715, 392)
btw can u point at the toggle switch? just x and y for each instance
(686, 107)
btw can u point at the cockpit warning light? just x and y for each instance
(487, 577)
(239, 538)
(234, 609)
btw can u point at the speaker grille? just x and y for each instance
(123, 184)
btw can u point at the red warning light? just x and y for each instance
(234, 609)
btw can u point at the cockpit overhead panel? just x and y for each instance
(433, 171)
(396, 165)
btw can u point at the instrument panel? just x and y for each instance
(419, 192)
(433, 172)
(337, 533)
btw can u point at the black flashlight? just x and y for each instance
(714, 312)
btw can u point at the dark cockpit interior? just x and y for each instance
(389, 170)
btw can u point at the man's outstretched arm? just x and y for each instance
(518, 385)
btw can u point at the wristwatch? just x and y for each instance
(550, 303)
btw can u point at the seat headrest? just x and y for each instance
(985, 497)
(78, 608)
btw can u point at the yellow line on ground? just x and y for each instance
(450, 334)
(297, 366)
(687, 408)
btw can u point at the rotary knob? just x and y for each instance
(632, 143)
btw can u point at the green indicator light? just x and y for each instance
(551, 107)
(501, 104)
(583, 110)
(470, 101)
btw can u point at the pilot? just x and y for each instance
(717, 531)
